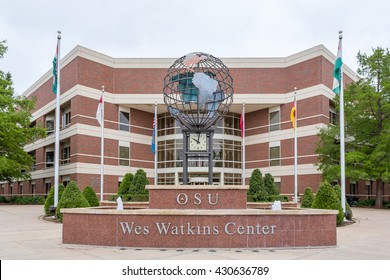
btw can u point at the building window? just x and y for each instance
(274, 156)
(47, 186)
(274, 121)
(33, 187)
(353, 188)
(21, 189)
(124, 155)
(50, 126)
(66, 155)
(333, 117)
(66, 118)
(49, 159)
(124, 121)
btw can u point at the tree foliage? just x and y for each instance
(269, 185)
(15, 129)
(367, 126)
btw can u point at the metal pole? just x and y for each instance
(155, 142)
(57, 126)
(342, 133)
(295, 149)
(210, 157)
(102, 149)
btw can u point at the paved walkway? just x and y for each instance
(24, 235)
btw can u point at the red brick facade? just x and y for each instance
(132, 87)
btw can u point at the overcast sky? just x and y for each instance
(173, 28)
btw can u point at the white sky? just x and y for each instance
(173, 28)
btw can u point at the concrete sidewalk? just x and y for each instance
(24, 235)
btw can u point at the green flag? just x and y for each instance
(337, 71)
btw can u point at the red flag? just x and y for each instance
(99, 110)
(242, 125)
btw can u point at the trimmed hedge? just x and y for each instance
(327, 198)
(90, 196)
(72, 197)
(308, 198)
(22, 200)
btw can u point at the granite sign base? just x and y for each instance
(201, 217)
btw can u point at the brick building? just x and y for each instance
(132, 85)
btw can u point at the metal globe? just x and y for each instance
(198, 91)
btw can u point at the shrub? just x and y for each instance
(22, 200)
(255, 182)
(282, 198)
(139, 182)
(3, 199)
(308, 198)
(90, 196)
(269, 185)
(50, 198)
(126, 184)
(327, 198)
(366, 203)
(348, 211)
(72, 197)
(136, 197)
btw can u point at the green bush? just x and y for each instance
(269, 185)
(126, 185)
(50, 198)
(282, 198)
(255, 182)
(135, 197)
(72, 197)
(3, 199)
(327, 198)
(348, 211)
(366, 203)
(139, 182)
(22, 200)
(90, 196)
(386, 204)
(308, 198)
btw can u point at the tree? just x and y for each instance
(367, 126)
(139, 182)
(16, 130)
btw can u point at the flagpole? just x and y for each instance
(295, 149)
(243, 144)
(102, 149)
(155, 142)
(57, 126)
(342, 133)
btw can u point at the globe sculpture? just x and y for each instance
(198, 91)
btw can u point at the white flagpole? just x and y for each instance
(102, 149)
(57, 123)
(342, 136)
(155, 142)
(243, 144)
(295, 148)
